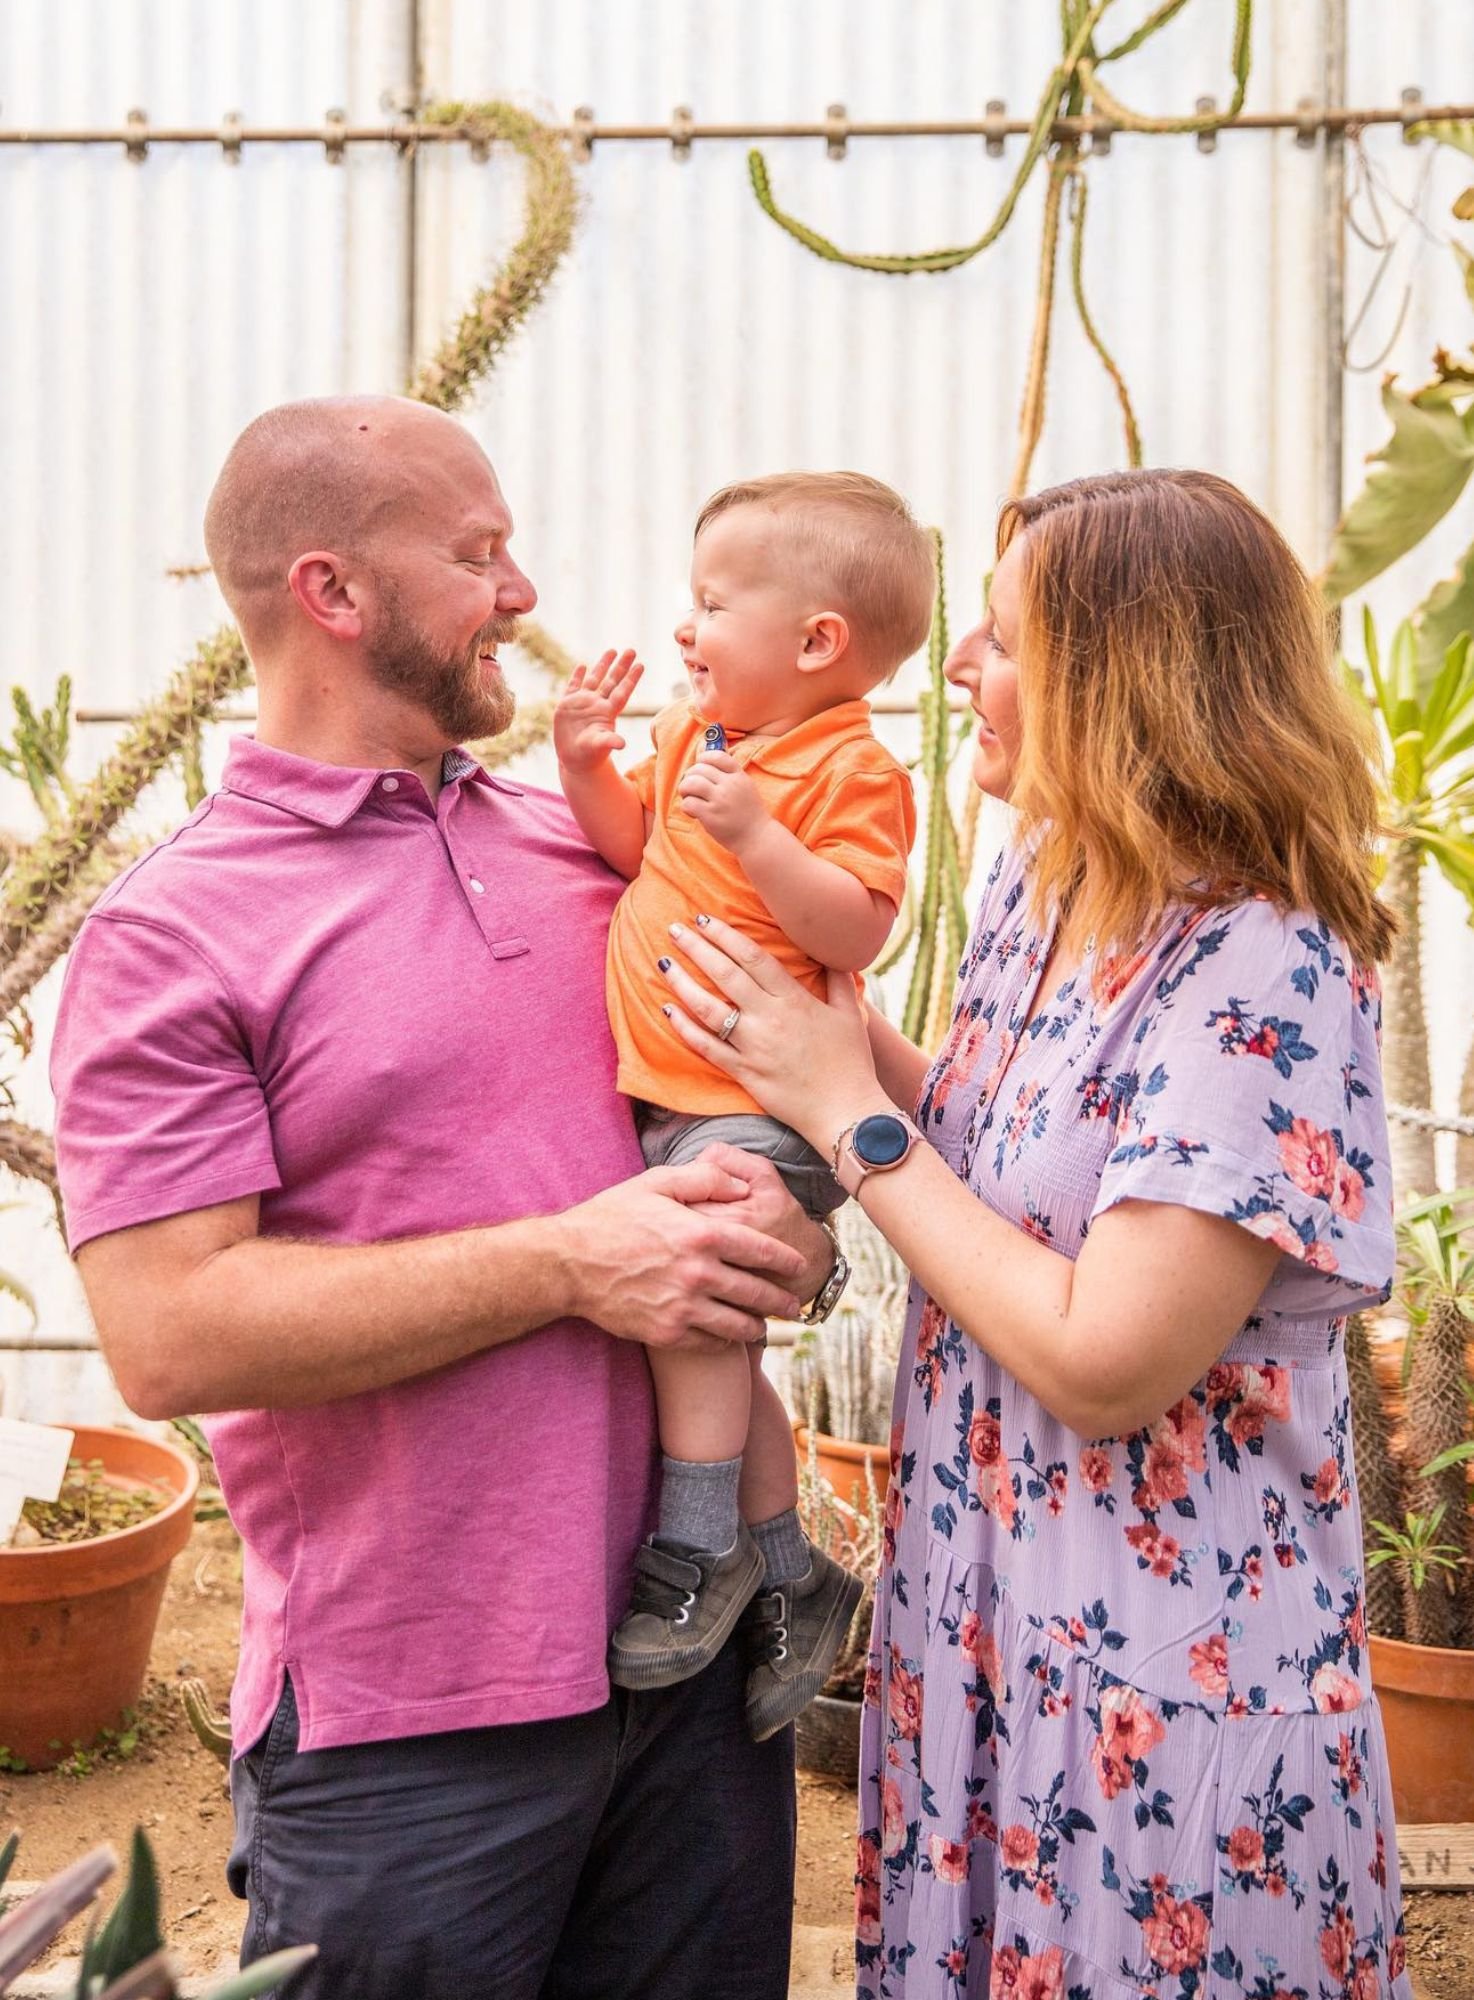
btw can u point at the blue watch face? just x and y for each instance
(880, 1140)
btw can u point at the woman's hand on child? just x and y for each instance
(720, 796)
(806, 1063)
(587, 712)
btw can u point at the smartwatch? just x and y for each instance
(872, 1145)
(822, 1304)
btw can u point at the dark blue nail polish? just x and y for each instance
(666, 1012)
(703, 921)
(663, 964)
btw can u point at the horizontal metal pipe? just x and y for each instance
(332, 135)
(885, 704)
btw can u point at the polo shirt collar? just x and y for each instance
(794, 753)
(326, 794)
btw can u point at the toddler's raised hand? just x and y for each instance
(586, 716)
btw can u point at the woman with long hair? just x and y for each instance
(1120, 1736)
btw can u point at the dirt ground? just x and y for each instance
(173, 1788)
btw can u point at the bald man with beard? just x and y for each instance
(345, 1167)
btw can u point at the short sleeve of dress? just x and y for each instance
(1254, 1092)
(158, 1108)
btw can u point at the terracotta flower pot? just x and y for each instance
(77, 1618)
(1427, 1699)
(843, 1463)
(827, 1738)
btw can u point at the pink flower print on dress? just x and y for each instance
(867, 1891)
(1176, 1935)
(948, 1859)
(1209, 1666)
(1096, 1468)
(1348, 1191)
(1337, 1943)
(1129, 1728)
(1022, 1975)
(893, 1819)
(1309, 1157)
(971, 1038)
(1019, 1846)
(1334, 1692)
(905, 1699)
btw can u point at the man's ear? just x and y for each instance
(826, 640)
(326, 595)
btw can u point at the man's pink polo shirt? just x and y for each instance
(387, 1017)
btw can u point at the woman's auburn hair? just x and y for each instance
(1185, 739)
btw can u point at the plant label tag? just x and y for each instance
(12, 1499)
(33, 1459)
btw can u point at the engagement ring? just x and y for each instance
(724, 1032)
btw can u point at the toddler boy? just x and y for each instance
(768, 801)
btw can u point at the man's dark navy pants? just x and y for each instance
(641, 1852)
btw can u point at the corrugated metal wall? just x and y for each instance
(155, 307)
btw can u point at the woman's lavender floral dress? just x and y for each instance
(1119, 1733)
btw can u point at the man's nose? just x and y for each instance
(516, 592)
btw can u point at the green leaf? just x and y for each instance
(1448, 699)
(11, 1287)
(1456, 132)
(1414, 480)
(1454, 853)
(7, 1856)
(1457, 1454)
(1444, 615)
(264, 1974)
(133, 1931)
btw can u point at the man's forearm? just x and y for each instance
(277, 1324)
(607, 807)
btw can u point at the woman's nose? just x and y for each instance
(960, 666)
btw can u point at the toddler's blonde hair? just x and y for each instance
(857, 538)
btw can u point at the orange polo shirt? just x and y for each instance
(833, 786)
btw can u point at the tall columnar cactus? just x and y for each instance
(48, 885)
(1439, 1291)
(1378, 1474)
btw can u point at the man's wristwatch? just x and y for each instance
(872, 1145)
(827, 1297)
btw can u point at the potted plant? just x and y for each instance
(843, 1373)
(80, 1595)
(127, 1958)
(828, 1730)
(1415, 1494)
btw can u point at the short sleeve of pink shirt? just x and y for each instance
(149, 1066)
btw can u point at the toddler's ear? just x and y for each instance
(826, 639)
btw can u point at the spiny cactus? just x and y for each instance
(1438, 1289)
(48, 885)
(127, 1958)
(1378, 1474)
(1438, 1420)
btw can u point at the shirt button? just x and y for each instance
(388, 784)
(479, 887)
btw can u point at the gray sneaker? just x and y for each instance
(686, 1606)
(797, 1630)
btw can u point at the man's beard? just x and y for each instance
(452, 688)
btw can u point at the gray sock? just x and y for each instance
(698, 1503)
(785, 1547)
